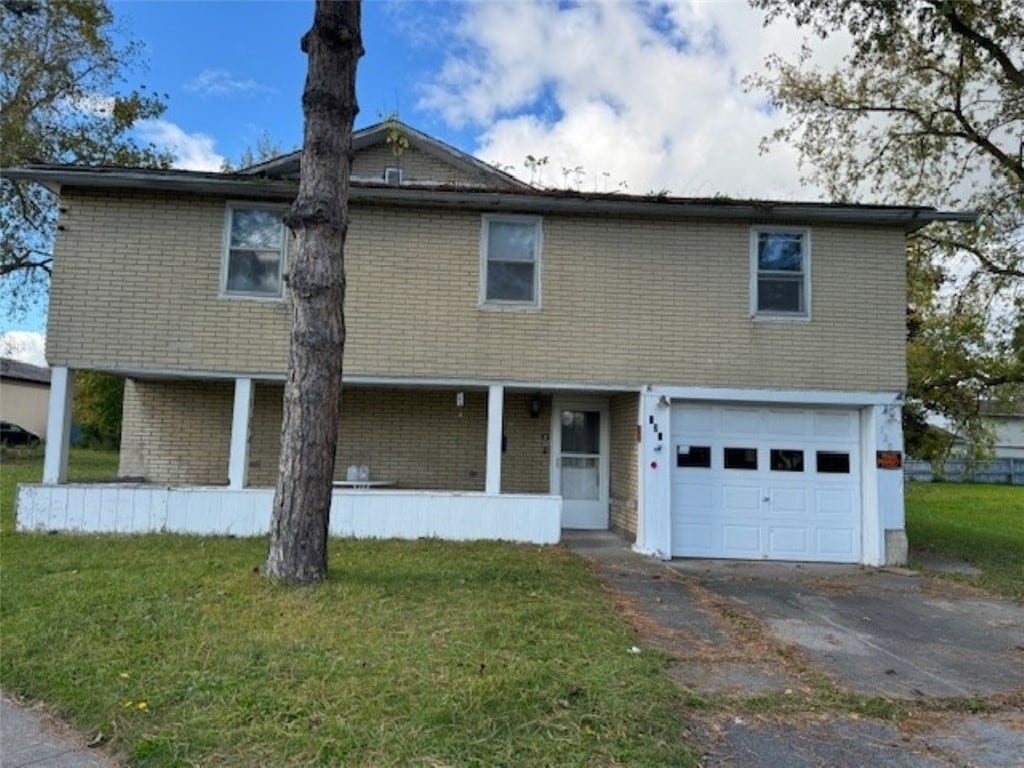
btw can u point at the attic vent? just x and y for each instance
(392, 175)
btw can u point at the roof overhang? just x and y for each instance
(908, 218)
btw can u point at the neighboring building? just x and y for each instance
(24, 394)
(713, 378)
(1007, 422)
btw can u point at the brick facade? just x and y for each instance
(625, 301)
(177, 432)
(624, 481)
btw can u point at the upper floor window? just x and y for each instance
(255, 249)
(510, 261)
(780, 272)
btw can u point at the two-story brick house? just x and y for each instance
(711, 377)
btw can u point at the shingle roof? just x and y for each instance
(15, 369)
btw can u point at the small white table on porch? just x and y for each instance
(363, 484)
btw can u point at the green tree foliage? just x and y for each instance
(266, 148)
(96, 407)
(927, 108)
(61, 66)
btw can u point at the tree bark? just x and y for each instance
(319, 221)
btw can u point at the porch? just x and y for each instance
(454, 460)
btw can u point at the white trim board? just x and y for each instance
(366, 380)
(781, 396)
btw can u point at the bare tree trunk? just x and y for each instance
(319, 221)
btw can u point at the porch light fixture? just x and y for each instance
(535, 407)
(663, 402)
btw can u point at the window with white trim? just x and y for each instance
(255, 251)
(510, 250)
(780, 272)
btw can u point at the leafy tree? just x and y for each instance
(96, 407)
(316, 285)
(60, 67)
(927, 108)
(267, 148)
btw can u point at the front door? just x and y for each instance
(579, 471)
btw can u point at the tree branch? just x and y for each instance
(990, 265)
(1012, 72)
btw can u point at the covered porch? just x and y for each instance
(453, 460)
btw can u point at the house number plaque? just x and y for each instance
(889, 460)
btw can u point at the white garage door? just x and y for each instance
(762, 482)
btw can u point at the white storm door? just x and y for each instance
(579, 471)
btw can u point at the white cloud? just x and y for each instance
(191, 151)
(220, 82)
(26, 346)
(647, 94)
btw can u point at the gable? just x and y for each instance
(423, 161)
(417, 167)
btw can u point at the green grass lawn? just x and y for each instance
(982, 524)
(413, 653)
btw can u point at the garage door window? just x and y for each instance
(833, 463)
(787, 460)
(740, 458)
(694, 456)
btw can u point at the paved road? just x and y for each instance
(29, 738)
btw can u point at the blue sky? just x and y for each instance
(628, 96)
(234, 70)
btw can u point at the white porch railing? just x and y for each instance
(126, 508)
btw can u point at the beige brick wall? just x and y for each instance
(625, 301)
(176, 431)
(623, 412)
(418, 437)
(417, 166)
(526, 463)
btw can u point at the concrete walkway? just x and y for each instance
(737, 630)
(30, 738)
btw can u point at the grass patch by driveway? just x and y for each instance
(981, 524)
(421, 653)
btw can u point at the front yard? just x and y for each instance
(178, 652)
(425, 653)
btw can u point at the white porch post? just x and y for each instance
(238, 458)
(495, 408)
(58, 426)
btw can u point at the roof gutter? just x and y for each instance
(909, 218)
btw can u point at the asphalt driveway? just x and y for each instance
(756, 638)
